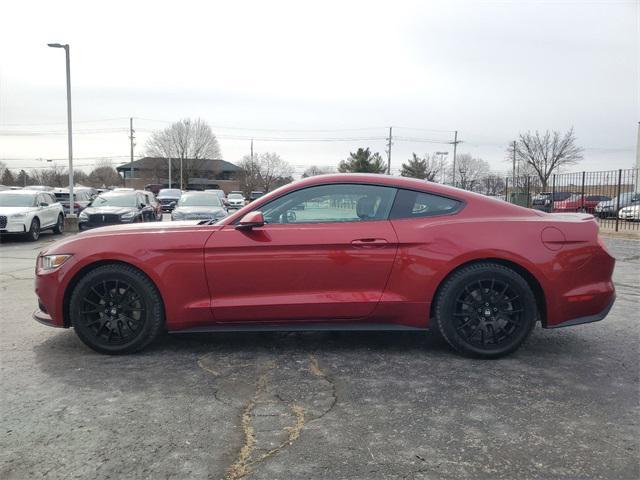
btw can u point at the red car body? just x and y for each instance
(217, 276)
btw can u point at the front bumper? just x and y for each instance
(14, 227)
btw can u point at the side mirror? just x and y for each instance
(172, 204)
(251, 220)
(44, 204)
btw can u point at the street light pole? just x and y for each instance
(69, 128)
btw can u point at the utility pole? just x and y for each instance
(455, 148)
(389, 143)
(132, 144)
(252, 152)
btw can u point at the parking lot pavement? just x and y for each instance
(317, 405)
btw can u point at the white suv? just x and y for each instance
(28, 212)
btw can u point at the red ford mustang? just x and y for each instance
(342, 252)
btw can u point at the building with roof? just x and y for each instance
(198, 174)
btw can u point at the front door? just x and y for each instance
(324, 253)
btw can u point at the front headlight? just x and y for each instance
(128, 215)
(177, 215)
(18, 215)
(51, 262)
(83, 216)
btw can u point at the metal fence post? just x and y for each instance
(506, 189)
(553, 193)
(618, 197)
(528, 182)
(582, 193)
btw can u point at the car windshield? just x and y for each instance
(234, 195)
(115, 201)
(199, 200)
(169, 192)
(16, 200)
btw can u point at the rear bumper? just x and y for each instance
(586, 319)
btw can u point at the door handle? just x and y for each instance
(369, 243)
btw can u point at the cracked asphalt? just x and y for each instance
(318, 405)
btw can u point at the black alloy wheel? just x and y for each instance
(486, 310)
(116, 309)
(59, 228)
(34, 230)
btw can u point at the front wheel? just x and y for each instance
(34, 230)
(486, 310)
(116, 309)
(59, 228)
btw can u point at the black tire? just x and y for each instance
(59, 228)
(485, 310)
(115, 309)
(34, 230)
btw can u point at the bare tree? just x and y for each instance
(54, 176)
(493, 184)
(265, 172)
(470, 171)
(314, 170)
(274, 171)
(545, 153)
(187, 143)
(104, 175)
(250, 178)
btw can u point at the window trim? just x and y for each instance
(461, 205)
(259, 207)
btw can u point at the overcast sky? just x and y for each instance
(351, 69)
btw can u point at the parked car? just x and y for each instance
(199, 206)
(631, 213)
(41, 188)
(366, 252)
(236, 200)
(221, 195)
(152, 201)
(168, 198)
(29, 212)
(545, 200)
(579, 203)
(115, 207)
(255, 195)
(82, 199)
(610, 207)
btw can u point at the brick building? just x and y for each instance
(199, 174)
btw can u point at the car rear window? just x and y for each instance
(412, 204)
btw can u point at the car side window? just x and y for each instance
(412, 204)
(331, 203)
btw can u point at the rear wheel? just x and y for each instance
(486, 310)
(34, 230)
(59, 228)
(116, 309)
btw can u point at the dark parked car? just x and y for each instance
(168, 198)
(545, 200)
(199, 206)
(255, 195)
(116, 208)
(82, 200)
